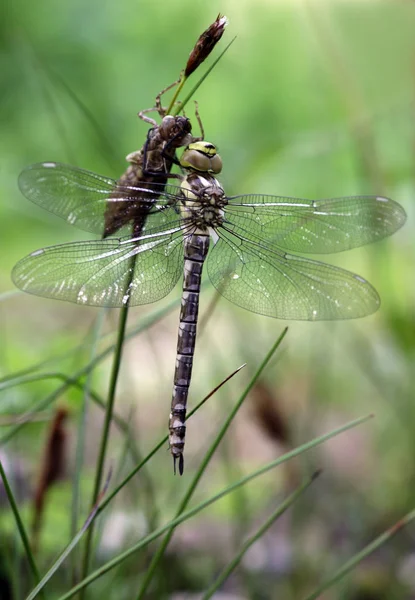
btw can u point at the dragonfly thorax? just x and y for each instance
(204, 200)
(201, 157)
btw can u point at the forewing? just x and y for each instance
(108, 272)
(315, 227)
(78, 196)
(85, 199)
(280, 285)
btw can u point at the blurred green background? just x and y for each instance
(313, 99)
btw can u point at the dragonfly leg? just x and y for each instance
(162, 111)
(158, 108)
(199, 120)
(142, 116)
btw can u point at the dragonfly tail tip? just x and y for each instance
(181, 463)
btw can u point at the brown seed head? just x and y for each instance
(205, 44)
(52, 467)
(269, 415)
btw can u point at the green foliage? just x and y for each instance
(314, 99)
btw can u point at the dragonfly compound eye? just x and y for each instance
(201, 157)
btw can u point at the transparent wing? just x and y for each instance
(315, 227)
(87, 200)
(106, 272)
(276, 284)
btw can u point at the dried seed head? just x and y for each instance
(205, 44)
(54, 460)
(269, 415)
(52, 468)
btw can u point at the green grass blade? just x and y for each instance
(257, 535)
(357, 558)
(145, 324)
(80, 438)
(36, 591)
(193, 511)
(105, 502)
(106, 147)
(69, 382)
(20, 526)
(179, 88)
(9, 294)
(198, 475)
(106, 429)
(162, 442)
(45, 402)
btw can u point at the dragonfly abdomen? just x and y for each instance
(196, 247)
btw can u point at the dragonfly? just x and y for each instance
(248, 241)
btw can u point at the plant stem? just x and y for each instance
(20, 526)
(80, 444)
(179, 88)
(108, 418)
(159, 553)
(193, 511)
(287, 503)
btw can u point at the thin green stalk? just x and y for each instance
(48, 76)
(9, 294)
(69, 547)
(13, 566)
(52, 110)
(42, 404)
(80, 445)
(107, 148)
(118, 420)
(104, 503)
(193, 484)
(116, 474)
(160, 445)
(357, 558)
(257, 535)
(108, 499)
(199, 507)
(107, 423)
(75, 351)
(179, 88)
(239, 508)
(145, 324)
(29, 378)
(345, 79)
(20, 526)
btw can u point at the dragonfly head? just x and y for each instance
(176, 131)
(201, 157)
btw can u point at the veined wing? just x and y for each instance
(109, 272)
(82, 197)
(315, 227)
(270, 282)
